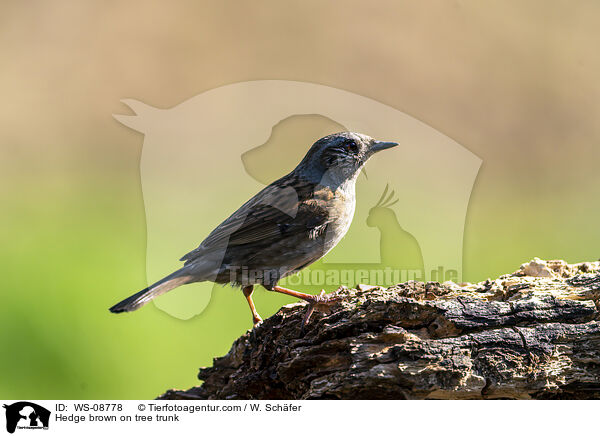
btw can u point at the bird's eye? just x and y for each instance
(351, 147)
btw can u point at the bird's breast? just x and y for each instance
(341, 208)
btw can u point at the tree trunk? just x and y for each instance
(531, 334)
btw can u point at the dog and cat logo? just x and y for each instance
(26, 415)
(254, 131)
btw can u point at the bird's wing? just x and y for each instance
(277, 211)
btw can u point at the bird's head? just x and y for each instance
(340, 156)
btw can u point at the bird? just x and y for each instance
(288, 225)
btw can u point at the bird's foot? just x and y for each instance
(256, 319)
(323, 301)
(320, 303)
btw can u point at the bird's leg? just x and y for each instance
(248, 294)
(306, 297)
(320, 302)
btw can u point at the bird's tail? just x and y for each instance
(178, 278)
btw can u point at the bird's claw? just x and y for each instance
(320, 303)
(323, 302)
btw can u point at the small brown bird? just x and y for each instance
(288, 225)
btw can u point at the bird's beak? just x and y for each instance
(380, 145)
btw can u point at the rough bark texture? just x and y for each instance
(531, 334)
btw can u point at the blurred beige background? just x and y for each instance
(515, 82)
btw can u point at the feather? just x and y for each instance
(285, 209)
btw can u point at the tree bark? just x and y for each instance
(533, 334)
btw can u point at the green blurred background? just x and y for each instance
(516, 82)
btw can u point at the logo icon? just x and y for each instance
(26, 415)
